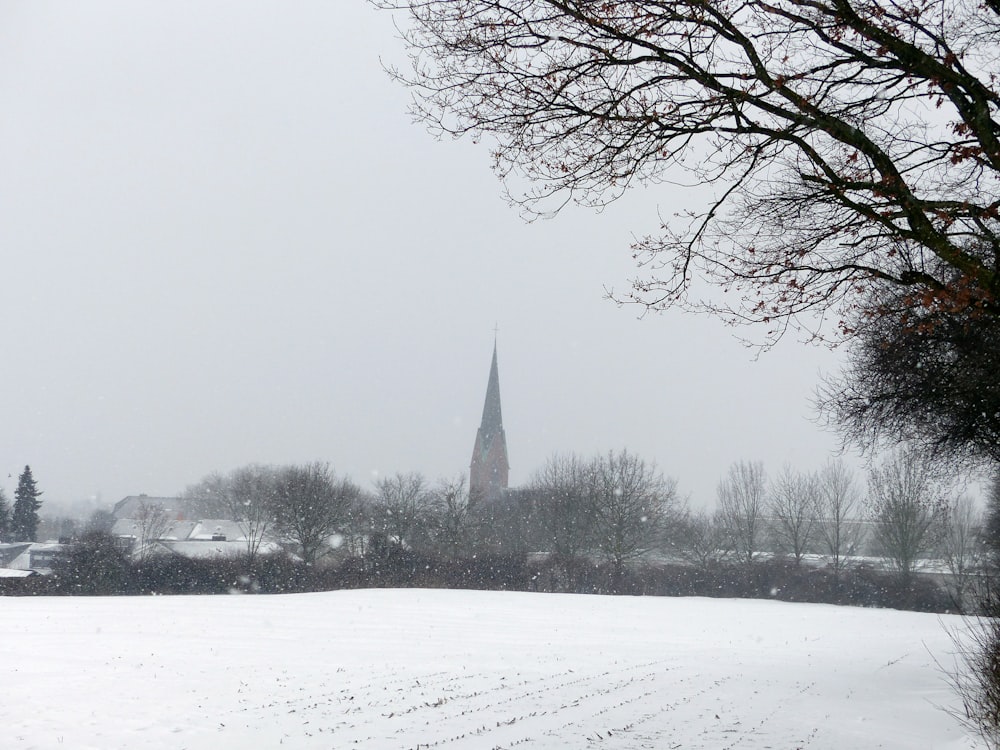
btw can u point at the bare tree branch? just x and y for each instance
(851, 142)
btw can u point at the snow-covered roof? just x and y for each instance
(178, 530)
(11, 550)
(207, 549)
(184, 531)
(208, 528)
(11, 573)
(175, 507)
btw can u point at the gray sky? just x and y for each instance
(224, 241)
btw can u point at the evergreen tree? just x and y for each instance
(24, 522)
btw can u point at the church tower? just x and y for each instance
(489, 469)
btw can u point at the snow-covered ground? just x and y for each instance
(466, 669)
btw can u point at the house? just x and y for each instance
(176, 508)
(35, 556)
(11, 551)
(138, 529)
(189, 538)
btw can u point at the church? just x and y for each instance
(489, 470)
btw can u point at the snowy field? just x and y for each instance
(463, 670)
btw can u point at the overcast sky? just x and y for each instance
(224, 241)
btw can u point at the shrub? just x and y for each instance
(976, 674)
(96, 563)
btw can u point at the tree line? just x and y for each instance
(907, 516)
(614, 506)
(609, 523)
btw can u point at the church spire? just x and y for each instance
(492, 423)
(490, 468)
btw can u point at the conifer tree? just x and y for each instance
(24, 522)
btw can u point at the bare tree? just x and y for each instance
(632, 503)
(101, 521)
(962, 549)
(839, 508)
(975, 677)
(453, 528)
(741, 505)
(249, 497)
(310, 504)
(990, 532)
(151, 521)
(856, 145)
(505, 521)
(400, 507)
(356, 531)
(563, 513)
(210, 497)
(908, 507)
(700, 540)
(793, 501)
(245, 495)
(5, 516)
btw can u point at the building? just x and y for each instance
(176, 508)
(39, 557)
(489, 470)
(207, 538)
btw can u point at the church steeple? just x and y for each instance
(490, 468)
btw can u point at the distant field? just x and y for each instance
(465, 669)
